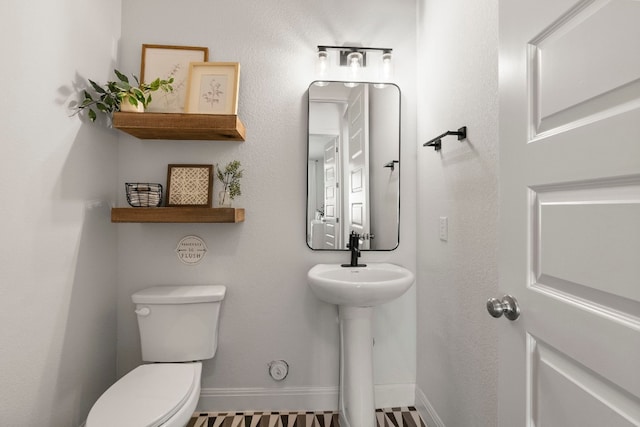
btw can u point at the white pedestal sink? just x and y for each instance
(356, 290)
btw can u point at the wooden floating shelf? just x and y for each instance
(209, 127)
(178, 215)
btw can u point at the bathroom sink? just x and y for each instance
(374, 284)
(356, 290)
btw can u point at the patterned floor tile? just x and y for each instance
(390, 417)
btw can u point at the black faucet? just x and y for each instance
(354, 243)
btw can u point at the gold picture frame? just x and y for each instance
(213, 88)
(189, 185)
(165, 61)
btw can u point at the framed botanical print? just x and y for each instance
(213, 88)
(166, 61)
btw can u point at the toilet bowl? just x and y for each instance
(178, 328)
(154, 395)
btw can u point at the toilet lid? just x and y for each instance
(147, 396)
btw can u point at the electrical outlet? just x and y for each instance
(444, 228)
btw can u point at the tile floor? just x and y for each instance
(390, 417)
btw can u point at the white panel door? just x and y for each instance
(570, 212)
(332, 210)
(358, 163)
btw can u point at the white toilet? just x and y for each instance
(178, 328)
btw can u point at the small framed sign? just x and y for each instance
(191, 250)
(190, 185)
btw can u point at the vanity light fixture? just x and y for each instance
(354, 57)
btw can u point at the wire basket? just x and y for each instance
(144, 195)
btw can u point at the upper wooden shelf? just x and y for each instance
(180, 214)
(210, 127)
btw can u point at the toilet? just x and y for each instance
(178, 329)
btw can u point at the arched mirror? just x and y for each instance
(353, 165)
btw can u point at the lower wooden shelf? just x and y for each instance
(178, 215)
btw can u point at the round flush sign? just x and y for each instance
(191, 250)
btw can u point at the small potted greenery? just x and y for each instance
(121, 95)
(230, 178)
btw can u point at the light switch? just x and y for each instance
(444, 228)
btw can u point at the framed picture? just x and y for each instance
(190, 185)
(213, 88)
(169, 61)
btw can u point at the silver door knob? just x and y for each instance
(508, 306)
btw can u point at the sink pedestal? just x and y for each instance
(357, 407)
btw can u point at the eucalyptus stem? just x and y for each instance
(109, 97)
(230, 178)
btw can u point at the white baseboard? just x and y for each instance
(426, 410)
(394, 395)
(296, 398)
(268, 399)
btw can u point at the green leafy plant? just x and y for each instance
(230, 178)
(109, 97)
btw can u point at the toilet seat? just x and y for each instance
(148, 396)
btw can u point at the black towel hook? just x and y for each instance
(436, 142)
(391, 164)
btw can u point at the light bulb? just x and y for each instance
(322, 60)
(354, 60)
(387, 69)
(322, 66)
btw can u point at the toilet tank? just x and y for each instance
(178, 323)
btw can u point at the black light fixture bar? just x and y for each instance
(346, 50)
(355, 48)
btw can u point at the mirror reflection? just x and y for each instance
(353, 169)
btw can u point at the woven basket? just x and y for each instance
(144, 195)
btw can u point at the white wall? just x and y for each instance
(269, 312)
(57, 257)
(457, 86)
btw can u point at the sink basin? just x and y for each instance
(375, 284)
